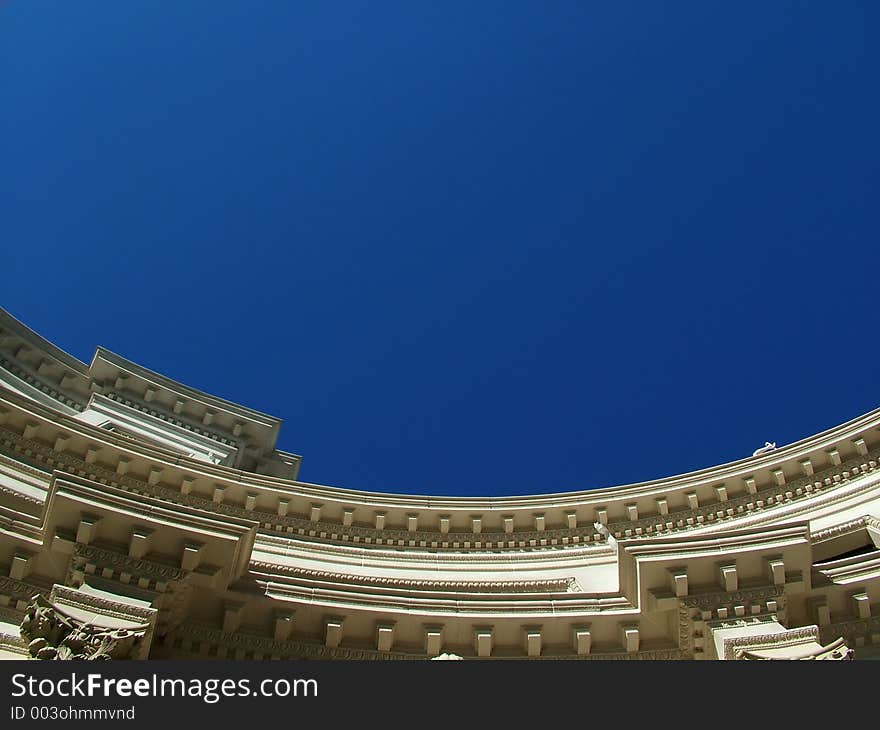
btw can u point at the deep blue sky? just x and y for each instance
(460, 248)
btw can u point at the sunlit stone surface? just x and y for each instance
(145, 519)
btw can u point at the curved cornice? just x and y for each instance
(779, 459)
(11, 324)
(165, 473)
(164, 382)
(714, 474)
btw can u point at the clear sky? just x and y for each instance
(460, 248)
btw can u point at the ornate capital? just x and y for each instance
(50, 633)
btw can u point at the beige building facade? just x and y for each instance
(141, 518)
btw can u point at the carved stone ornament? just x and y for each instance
(801, 644)
(50, 633)
(836, 651)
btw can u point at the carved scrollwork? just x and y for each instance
(50, 633)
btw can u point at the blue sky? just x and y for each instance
(460, 248)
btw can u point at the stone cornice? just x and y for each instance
(195, 633)
(164, 382)
(792, 637)
(137, 566)
(844, 528)
(718, 474)
(852, 629)
(601, 574)
(163, 416)
(560, 585)
(15, 494)
(844, 488)
(656, 487)
(342, 597)
(36, 382)
(831, 484)
(334, 531)
(233, 640)
(299, 526)
(711, 600)
(41, 344)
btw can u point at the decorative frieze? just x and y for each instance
(91, 559)
(707, 602)
(560, 585)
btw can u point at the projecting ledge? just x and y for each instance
(771, 640)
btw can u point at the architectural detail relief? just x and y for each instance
(800, 644)
(144, 519)
(712, 600)
(52, 634)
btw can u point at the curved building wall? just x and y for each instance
(127, 493)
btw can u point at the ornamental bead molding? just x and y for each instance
(560, 585)
(846, 527)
